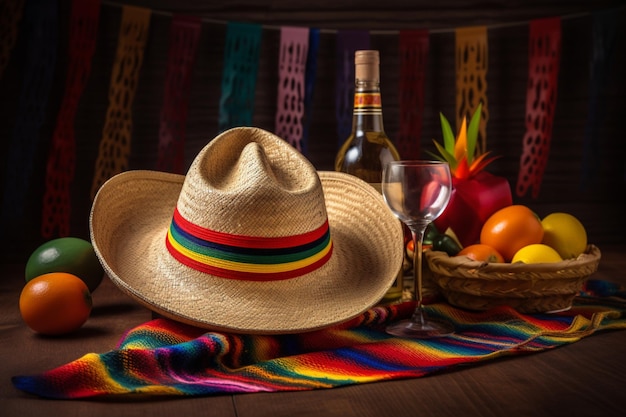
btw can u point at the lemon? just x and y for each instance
(536, 253)
(565, 233)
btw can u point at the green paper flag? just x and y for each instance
(241, 61)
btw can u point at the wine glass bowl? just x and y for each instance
(417, 192)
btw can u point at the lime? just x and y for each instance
(535, 254)
(66, 254)
(565, 233)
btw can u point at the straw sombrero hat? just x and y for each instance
(251, 240)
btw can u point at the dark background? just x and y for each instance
(600, 207)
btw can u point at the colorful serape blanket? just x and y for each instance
(163, 357)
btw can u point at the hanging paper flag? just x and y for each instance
(40, 30)
(10, 16)
(544, 48)
(61, 159)
(348, 42)
(115, 144)
(309, 85)
(413, 57)
(183, 44)
(294, 45)
(241, 62)
(604, 33)
(471, 79)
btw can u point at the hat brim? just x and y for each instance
(133, 210)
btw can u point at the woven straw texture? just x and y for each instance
(529, 288)
(250, 182)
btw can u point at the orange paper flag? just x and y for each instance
(471, 78)
(115, 146)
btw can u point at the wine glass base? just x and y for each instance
(420, 330)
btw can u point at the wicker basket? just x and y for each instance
(529, 288)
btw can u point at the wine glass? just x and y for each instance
(417, 192)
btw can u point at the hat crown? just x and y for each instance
(246, 182)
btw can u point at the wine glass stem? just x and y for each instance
(418, 239)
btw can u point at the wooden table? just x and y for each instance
(587, 378)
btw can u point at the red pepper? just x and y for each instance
(430, 193)
(472, 201)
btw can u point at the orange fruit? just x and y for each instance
(481, 252)
(510, 229)
(55, 303)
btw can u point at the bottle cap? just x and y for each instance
(366, 65)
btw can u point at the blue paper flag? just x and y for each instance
(309, 85)
(604, 32)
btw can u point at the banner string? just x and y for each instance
(376, 31)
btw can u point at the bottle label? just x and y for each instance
(367, 103)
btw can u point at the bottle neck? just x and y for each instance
(368, 110)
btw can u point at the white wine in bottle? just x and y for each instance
(368, 148)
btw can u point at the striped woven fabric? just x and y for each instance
(164, 357)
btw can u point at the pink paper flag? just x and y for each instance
(294, 45)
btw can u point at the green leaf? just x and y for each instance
(447, 156)
(448, 135)
(472, 133)
(436, 156)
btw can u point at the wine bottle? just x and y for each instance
(368, 148)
